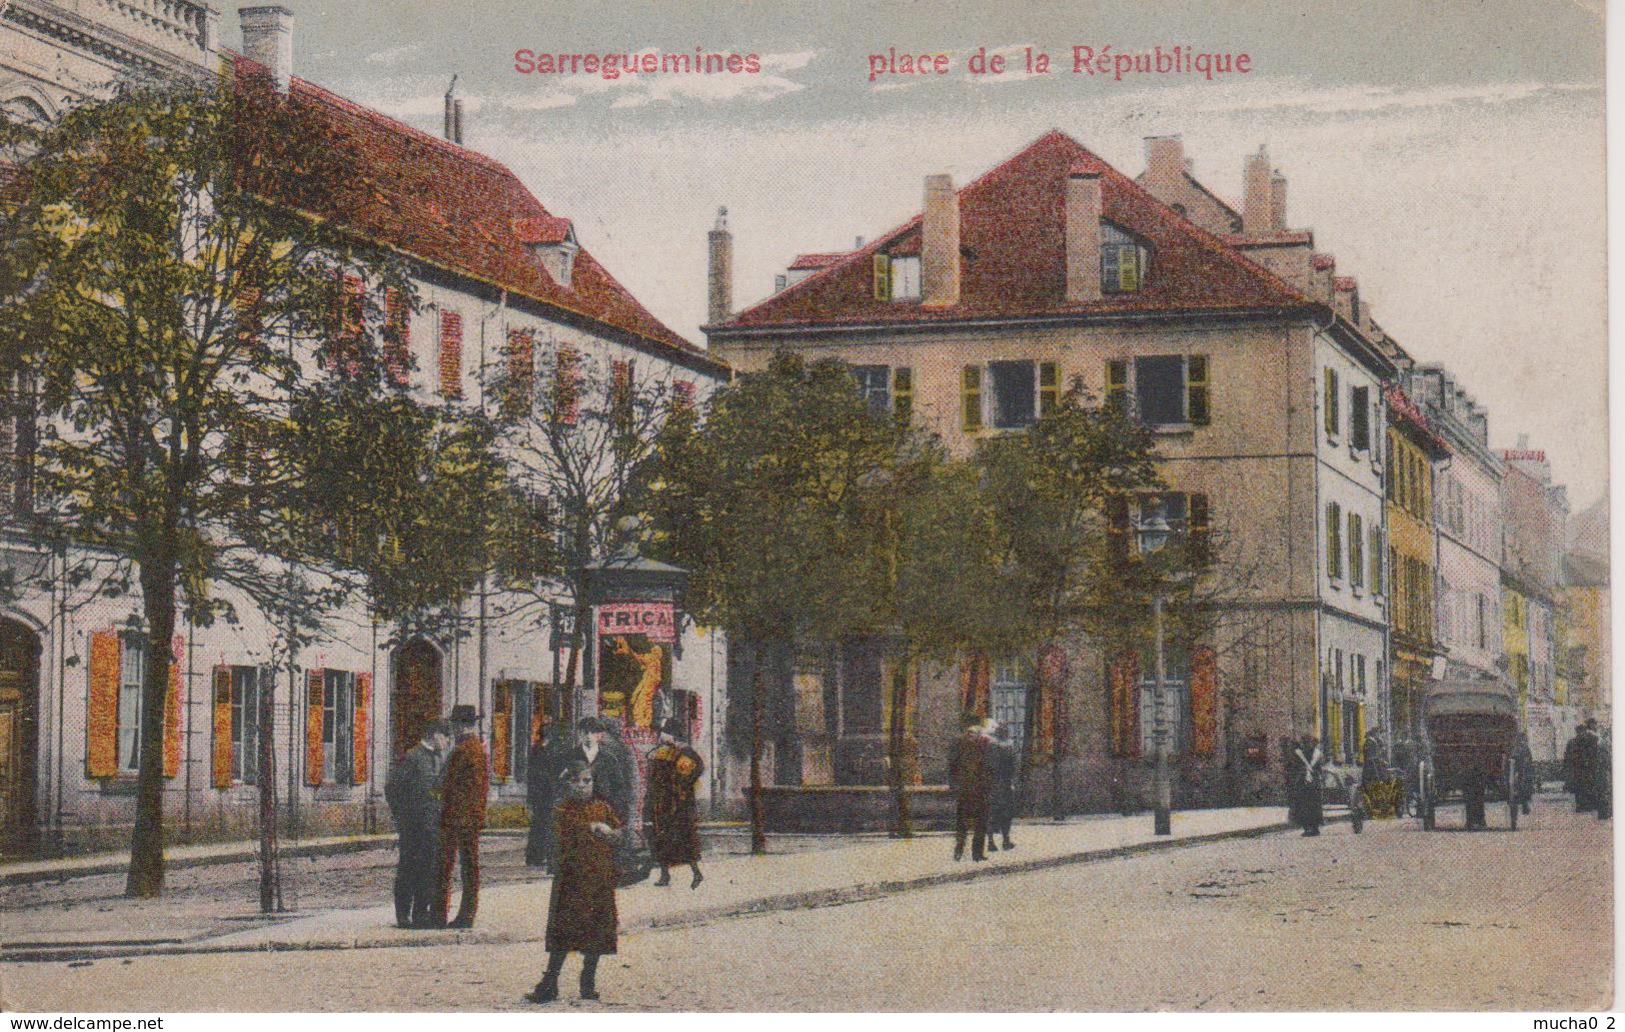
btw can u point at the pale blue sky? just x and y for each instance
(1449, 153)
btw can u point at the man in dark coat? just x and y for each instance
(1585, 767)
(607, 763)
(581, 915)
(1305, 767)
(542, 769)
(1603, 776)
(968, 777)
(412, 790)
(462, 815)
(669, 806)
(1001, 800)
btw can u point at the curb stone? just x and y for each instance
(814, 899)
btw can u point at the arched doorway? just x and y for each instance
(19, 731)
(415, 693)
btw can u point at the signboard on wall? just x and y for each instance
(654, 620)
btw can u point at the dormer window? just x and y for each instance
(1124, 261)
(552, 241)
(897, 278)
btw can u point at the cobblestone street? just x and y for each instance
(1395, 918)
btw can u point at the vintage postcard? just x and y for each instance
(772, 506)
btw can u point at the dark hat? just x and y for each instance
(439, 727)
(464, 714)
(970, 719)
(674, 727)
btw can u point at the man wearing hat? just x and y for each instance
(669, 806)
(968, 776)
(412, 790)
(610, 778)
(462, 815)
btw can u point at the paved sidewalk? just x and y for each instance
(734, 886)
(22, 872)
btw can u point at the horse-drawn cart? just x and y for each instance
(1472, 733)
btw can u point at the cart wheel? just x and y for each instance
(1512, 792)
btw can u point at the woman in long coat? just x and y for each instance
(581, 915)
(670, 807)
(1305, 764)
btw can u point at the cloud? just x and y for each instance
(789, 62)
(395, 55)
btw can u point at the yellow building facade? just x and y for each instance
(1413, 448)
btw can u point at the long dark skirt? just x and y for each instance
(1306, 809)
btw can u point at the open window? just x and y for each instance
(1166, 390)
(1124, 260)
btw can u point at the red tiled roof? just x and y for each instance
(452, 207)
(1013, 246)
(817, 260)
(1403, 410)
(1323, 261)
(1344, 283)
(547, 229)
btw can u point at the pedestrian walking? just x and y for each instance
(581, 912)
(1001, 799)
(1306, 765)
(670, 806)
(968, 776)
(462, 815)
(542, 769)
(1584, 775)
(412, 790)
(1603, 776)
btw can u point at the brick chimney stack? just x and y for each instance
(1277, 201)
(453, 129)
(720, 275)
(1165, 166)
(268, 39)
(1083, 236)
(1256, 218)
(939, 243)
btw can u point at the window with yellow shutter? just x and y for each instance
(1356, 551)
(970, 396)
(1329, 401)
(882, 277)
(1197, 410)
(902, 393)
(1049, 388)
(1334, 541)
(1117, 384)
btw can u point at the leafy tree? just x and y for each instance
(1055, 490)
(573, 452)
(176, 266)
(768, 503)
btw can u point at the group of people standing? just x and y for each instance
(1588, 769)
(982, 771)
(436, 794)
(580, 797)
(586, 840)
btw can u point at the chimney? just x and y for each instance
(457, 122)
(1082, 236)
(1277, 201)
(1256, 196)
(268, 39)
(451, 110)
(939, 243)
(720, 277)
(1165, 167)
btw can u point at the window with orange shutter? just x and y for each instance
(451, 354)
(397, 337)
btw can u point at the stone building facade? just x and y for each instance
(503, 284)
(1263, 389)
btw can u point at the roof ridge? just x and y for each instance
(891, 234)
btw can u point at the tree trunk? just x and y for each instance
(578, 639)
(146, 876)
(265, 775)
(758, 805)
(901, 827)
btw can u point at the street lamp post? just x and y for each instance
(1154, 533)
